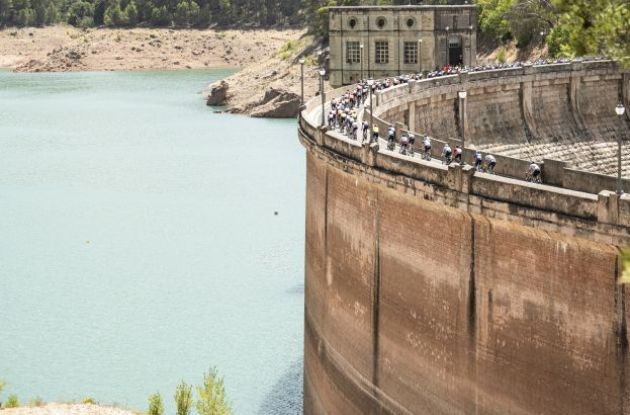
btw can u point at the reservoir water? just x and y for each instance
(139, 243)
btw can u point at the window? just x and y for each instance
(352, 23)
(380, 22)
(353, 52)
(411, 52)
(410, 22)
(381, 49)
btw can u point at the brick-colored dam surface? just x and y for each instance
(437, 290)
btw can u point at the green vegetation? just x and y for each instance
(128, 13)
(289, 48)
(570, 27)
(625, 266)
(183, 398)
(156, 407)
(592, 27)
(12, 401)
(212, 399)
(502, 55)
(89, 401)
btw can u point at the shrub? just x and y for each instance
(501, 55)
(12, 401)
(212, 399)
(89, 401)
(183, 398)
(155, 405)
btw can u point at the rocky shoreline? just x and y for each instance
(272, 87)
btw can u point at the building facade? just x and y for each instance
(381, 41)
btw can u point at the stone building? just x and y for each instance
(380, 41)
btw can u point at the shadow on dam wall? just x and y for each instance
(287, 395)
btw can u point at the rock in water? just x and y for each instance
(218, 93)
(277, 104)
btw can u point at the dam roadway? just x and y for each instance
(438, 290)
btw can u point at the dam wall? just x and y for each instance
(440, 290)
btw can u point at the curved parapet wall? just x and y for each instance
(437, 290)
(562, 111)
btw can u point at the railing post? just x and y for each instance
(608, 207)
(369, 154)
(553, 172)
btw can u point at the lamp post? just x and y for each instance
(620, 110)
(419, 55)
(447, 57)
(322, 72)
(361, 48)
(471, 27)
(302, 79)
(462, 109)
(370, 83)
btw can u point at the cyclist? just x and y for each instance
(533, 174)
(447, 154)
(404, 143)
(427, 148)
(478, 160)
(375, 134)
(366, 129)
(490, 163)
(458, 154)
(412, 142)
(391, 138)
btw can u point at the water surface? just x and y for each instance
(139, 244)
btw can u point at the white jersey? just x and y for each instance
(490, 159)
(427, 142)
(446, 150)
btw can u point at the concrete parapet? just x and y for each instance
(553, 172)
(459, 177)
(608, 207)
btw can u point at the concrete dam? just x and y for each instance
(434, 289)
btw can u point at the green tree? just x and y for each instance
(81, 13)
(592, 27)
(519, 19)
(132, 13)
(212, 399)
(115, 16)
(160, 16)
(183, 398)
(155, 405)
(186, 13)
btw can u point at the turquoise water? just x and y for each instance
(139, 244)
